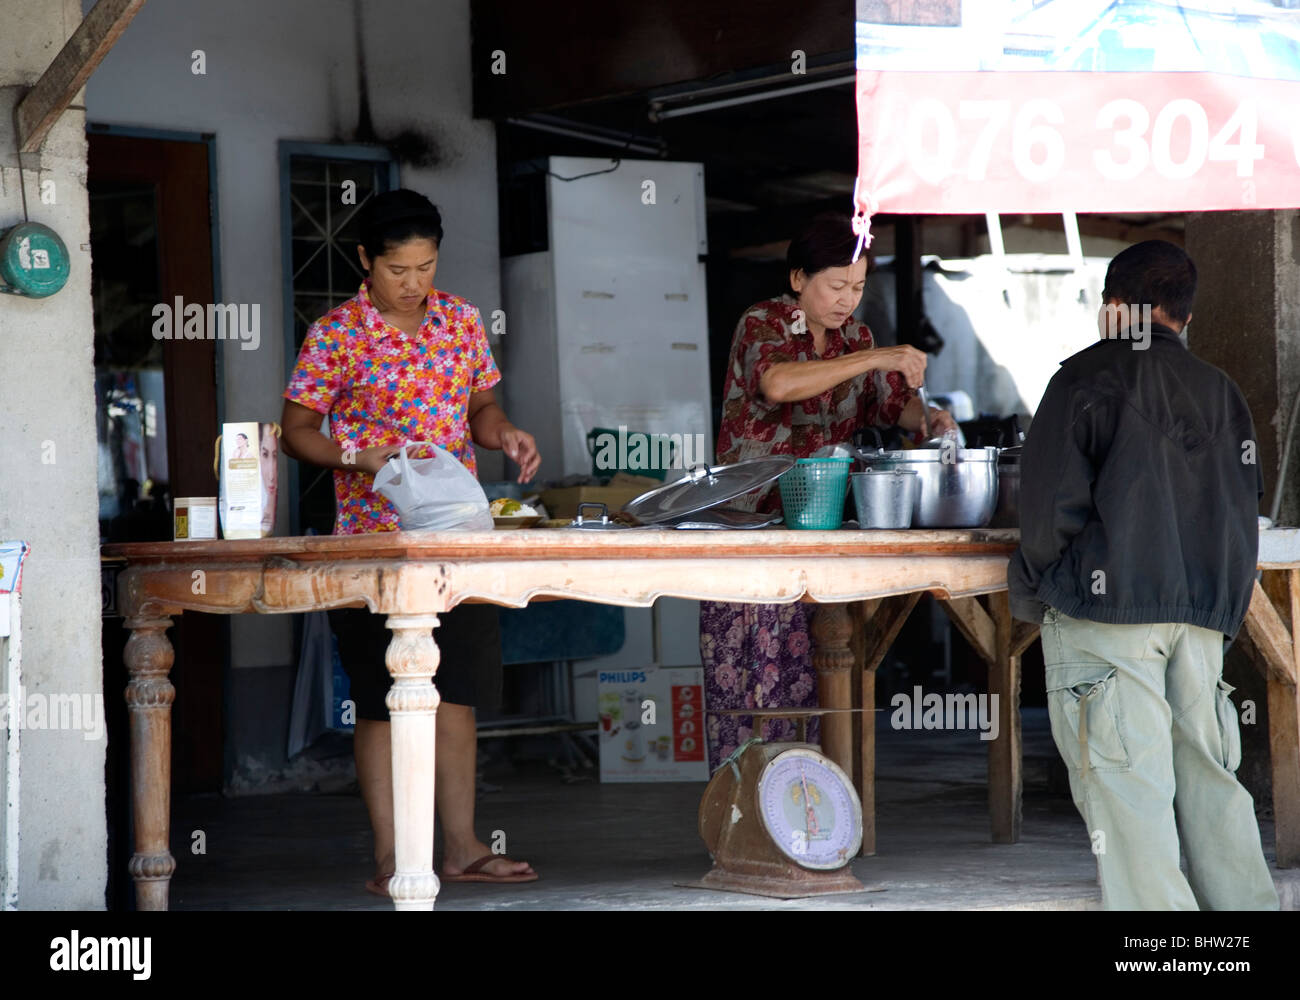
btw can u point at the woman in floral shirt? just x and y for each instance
(803, 373)
(403, 361)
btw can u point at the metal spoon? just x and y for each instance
(925, 410)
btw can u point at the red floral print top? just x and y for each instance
(752, 427)
(380, 386)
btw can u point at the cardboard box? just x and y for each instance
(652, 724)
(247, 477)
(564, 502)
(194, 519)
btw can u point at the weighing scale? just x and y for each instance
(783, 820)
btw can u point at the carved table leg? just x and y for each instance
(883, 618)
(867, 756)
(1005, 754)
(831, 630)
(149, 695)
(412, 702)
(1283, 589)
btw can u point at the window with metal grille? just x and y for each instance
(322, 187)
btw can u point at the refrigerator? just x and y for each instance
(607, 327)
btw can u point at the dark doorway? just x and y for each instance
(156, 416)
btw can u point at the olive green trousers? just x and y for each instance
(1143, 719)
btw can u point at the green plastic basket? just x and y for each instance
(813, 493)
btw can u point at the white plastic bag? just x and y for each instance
(433, 494)
(312, 707)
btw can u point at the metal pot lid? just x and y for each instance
(725, 518)
(1009, 456)
(704, 486)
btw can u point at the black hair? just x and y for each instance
(826, 241)
(1155, 273)
(390, 219)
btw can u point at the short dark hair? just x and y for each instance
(1154, 272)
(390, 219)
(828, 240)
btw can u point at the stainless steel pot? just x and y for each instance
(958, 486)
(885, 498)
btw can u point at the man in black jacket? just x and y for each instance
(1138, 543)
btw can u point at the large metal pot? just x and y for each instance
(958, 486)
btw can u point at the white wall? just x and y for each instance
(288, 70)
(47, 400)
(1005, 329)
(1008, 329)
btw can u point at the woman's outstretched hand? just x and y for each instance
(520, 447)
(940, 421)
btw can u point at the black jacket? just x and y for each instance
(1140, 491)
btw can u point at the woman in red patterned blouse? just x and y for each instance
(803, 373)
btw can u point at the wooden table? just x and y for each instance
(867, 582)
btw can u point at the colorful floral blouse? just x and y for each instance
(752, 427)
(380, 386)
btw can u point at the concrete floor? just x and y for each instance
(627, 846)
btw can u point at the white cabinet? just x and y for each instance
(609, 326)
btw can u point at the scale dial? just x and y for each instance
(810, 809)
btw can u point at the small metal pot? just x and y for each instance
(885, 498)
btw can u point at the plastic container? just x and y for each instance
(813, 493)
(194, 519)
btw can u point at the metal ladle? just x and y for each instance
(931, 441)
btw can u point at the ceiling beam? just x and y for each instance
(528, 56)
(41, 106)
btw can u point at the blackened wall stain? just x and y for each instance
(412, 146)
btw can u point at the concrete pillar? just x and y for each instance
(1247, 321)
(48, 493)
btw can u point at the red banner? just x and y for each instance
(1045, 106)
(978, 142)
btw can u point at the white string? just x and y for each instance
(862, 220)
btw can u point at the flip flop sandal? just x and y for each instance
(475, 873)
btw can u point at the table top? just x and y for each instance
(551, 544)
